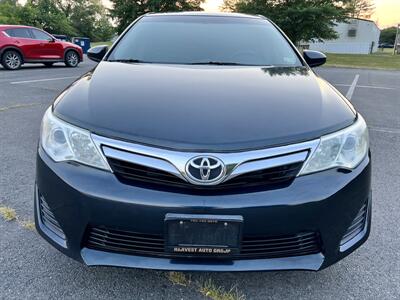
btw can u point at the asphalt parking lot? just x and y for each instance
(31, 268)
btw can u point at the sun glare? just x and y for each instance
(212, 5)
(387, 13)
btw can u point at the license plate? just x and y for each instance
(203, 234)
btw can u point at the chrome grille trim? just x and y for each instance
(174, 162)
(267, 163)
(357, 228)
(47, 217)
(142, 160)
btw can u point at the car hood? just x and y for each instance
(69, 44)
(204, 108)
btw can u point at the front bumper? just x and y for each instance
(79, 197)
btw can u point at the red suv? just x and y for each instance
(24, 44)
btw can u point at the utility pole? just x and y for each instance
(396, 40)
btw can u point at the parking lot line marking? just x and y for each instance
(40, 80)
(352, 87)
(384, 129)
(18, 106)
(367, 86)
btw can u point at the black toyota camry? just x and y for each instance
(203, 142)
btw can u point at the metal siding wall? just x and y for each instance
(350, 48)
(367, 32)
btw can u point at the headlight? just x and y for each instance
(345, 149)
(65, 142)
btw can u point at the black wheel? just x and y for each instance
(48, 64)
(11, 60)
(71, 59)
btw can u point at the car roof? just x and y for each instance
(14, 26)
(205, 14)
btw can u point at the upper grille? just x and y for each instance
(275, 177)
(105, 239)
(357, 225)
(48, 219)
(244, 171)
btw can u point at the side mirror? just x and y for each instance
(97, 53)
(314, 58)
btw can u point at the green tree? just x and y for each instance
(88, 17)
(104, 31)
(71, 17)
(388, 35)
(229, 5)
(8, 12)
(301, 20)
(46, 15)
(125, 11)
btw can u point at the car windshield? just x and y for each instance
(205, 40)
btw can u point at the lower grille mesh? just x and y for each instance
(48, 219)
(282, 246)
(100, 238)
(123, 241)
(356, 226)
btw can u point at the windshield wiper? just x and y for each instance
(219, 63)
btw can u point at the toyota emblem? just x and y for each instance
(205, 170)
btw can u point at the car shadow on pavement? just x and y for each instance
(35, 67)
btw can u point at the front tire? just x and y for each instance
(11, 60)
(71, 59)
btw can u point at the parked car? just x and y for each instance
(24, 44)
(203, 142)
(386, 45)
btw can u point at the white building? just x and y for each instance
(356, 37)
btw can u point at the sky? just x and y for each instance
(387, 13)
(213, 5)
